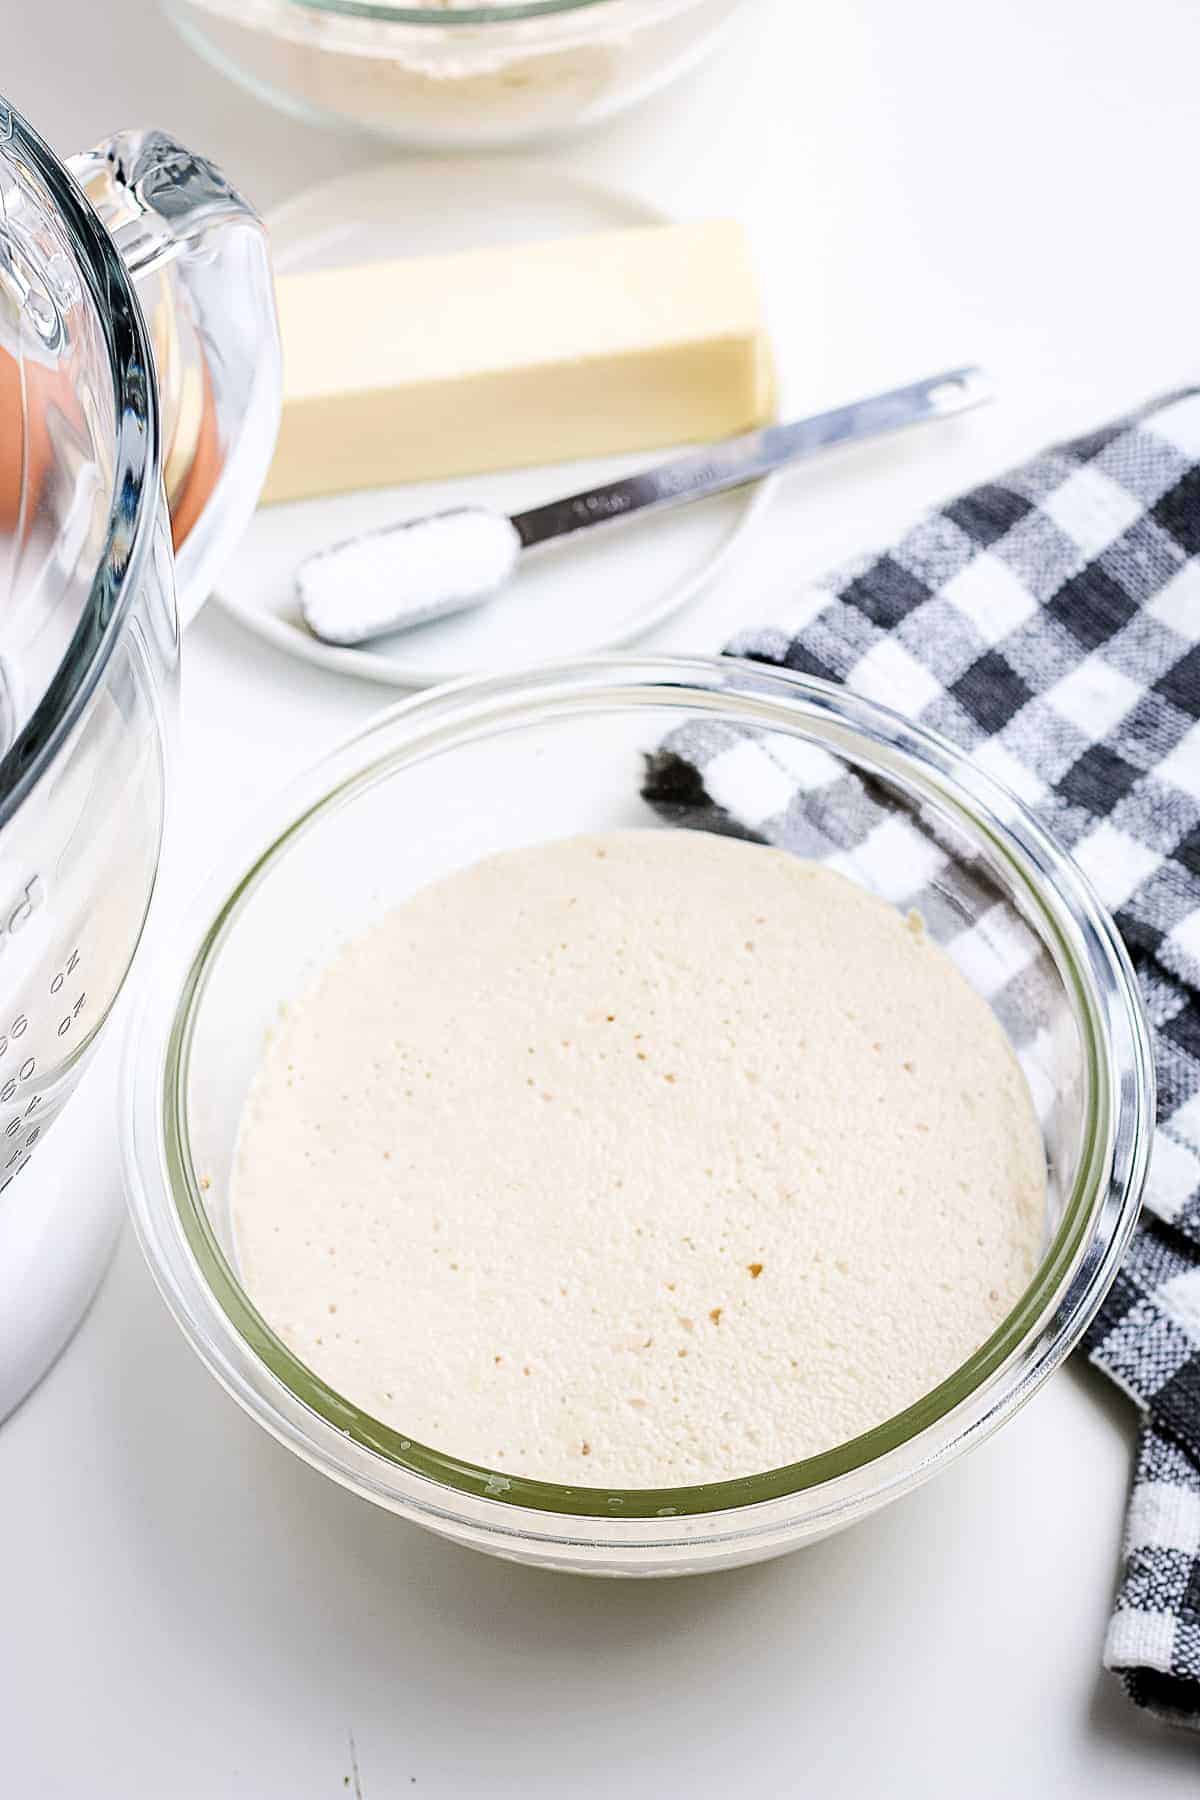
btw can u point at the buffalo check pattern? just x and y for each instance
(1049, 622)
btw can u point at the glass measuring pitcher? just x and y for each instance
(139, 400)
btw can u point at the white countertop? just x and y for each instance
(188, 1611)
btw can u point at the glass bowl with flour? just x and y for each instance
(640, 1116)
(454, 74)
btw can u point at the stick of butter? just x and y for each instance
(539, 353)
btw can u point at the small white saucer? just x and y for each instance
(598, 592)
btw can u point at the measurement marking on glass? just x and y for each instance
(34, 892)
(20, 1130)
(72, 965)
(64, 1025)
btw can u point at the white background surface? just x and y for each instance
(185, 1610)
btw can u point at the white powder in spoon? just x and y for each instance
(407, 575)
(641, 1159)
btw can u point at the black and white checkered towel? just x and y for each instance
(1049, 622)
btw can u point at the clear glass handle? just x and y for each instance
(198, 253)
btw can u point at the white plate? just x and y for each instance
(598, 592)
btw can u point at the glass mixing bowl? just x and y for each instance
(453, 75)
(111, 401)
(485, 766)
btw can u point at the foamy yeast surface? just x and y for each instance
(640, 1159)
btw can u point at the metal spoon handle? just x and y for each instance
(741, 459)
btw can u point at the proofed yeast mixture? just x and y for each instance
(640, 1159)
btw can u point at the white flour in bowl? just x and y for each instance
(464, 82)
(641, 1159)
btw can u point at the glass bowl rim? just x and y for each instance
(451, 18)
(1074, 1273)
(136, 455)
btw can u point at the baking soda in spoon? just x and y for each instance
(389, 580)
